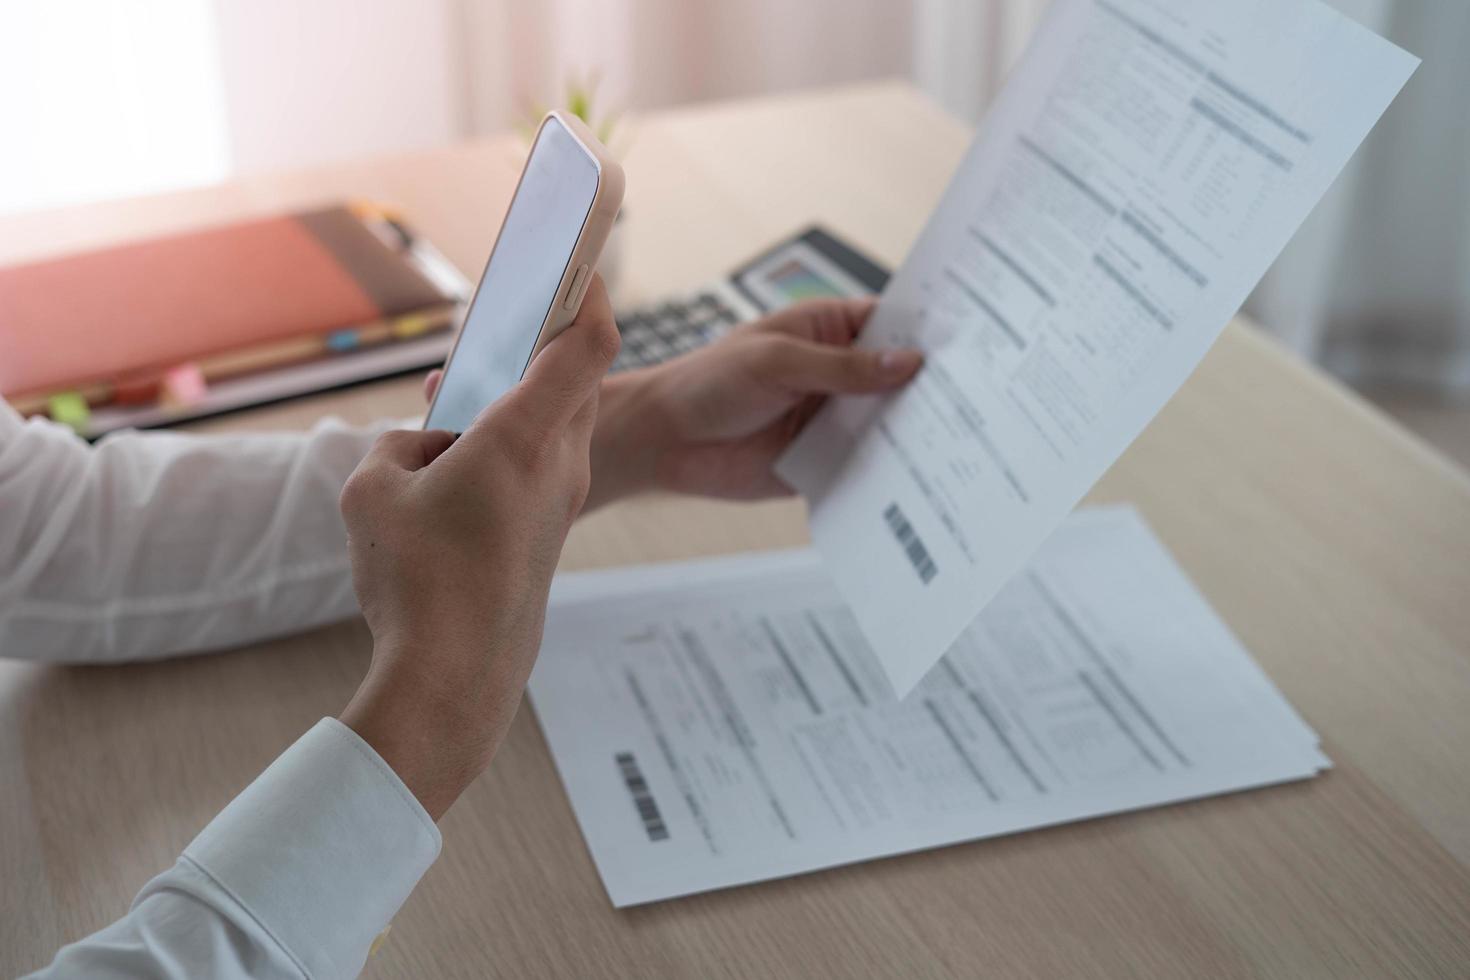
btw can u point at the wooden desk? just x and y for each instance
(1335, 545)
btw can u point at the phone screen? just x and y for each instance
(520, 281)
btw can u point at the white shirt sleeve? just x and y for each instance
(149, 544)
(156, 543)
(295, 878)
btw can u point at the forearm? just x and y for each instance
(438, 730)
(629, 440)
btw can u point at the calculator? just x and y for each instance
(813, 263)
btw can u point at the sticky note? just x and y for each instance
(184, 385)
(342, 340)
(69, 408)
(372, 209)
(412, 325)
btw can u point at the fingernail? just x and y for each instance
(897, 363)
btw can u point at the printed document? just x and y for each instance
(1146, 162)
(724, 721)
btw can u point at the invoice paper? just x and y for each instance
(1146, 162)
(724, 721)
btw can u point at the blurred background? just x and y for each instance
(158, 94)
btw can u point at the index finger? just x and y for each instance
(824, 321)
(407, 449)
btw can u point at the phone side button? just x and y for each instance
(574, 291)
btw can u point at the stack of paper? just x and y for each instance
(725, 721)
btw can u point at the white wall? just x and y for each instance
(651, 53)
(312, 81)
(103, 98)
(963, 49)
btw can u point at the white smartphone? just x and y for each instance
(532, 287)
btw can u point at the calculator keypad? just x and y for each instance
(657, 333)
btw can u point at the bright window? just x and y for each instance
(102, 98)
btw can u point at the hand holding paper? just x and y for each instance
(1143, 167)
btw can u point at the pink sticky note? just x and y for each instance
(184, 385)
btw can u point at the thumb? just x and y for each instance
(568, 370)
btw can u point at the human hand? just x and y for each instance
(453, 545)
(714, 421)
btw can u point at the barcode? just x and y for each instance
(653, 822)
(909, 540)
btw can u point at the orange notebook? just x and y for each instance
(121, 318)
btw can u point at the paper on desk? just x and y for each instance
(1142, 168)
(723, 722)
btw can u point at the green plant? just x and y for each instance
(579, 99)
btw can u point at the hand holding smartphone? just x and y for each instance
(532, 287)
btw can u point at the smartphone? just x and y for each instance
(559, 218)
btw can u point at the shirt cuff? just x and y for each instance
(322, 849)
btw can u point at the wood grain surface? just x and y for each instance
(1332, 542)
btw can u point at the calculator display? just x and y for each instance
(795, 271)
(796, 280)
